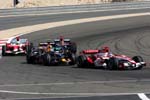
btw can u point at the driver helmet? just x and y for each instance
(18, 38)
(61, 40)
(105, 49)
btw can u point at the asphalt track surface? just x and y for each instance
(18, 21)
(128, 36)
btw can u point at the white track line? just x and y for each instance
(67, 94)
(142, 96)
(72, 12)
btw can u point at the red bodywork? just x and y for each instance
(16, 48)
(93, 55)
(90, 55)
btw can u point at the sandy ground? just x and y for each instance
(6, 4)
(41, 3)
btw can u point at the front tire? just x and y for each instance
(28, 53)
(73, 47)
(47, 59)
(3, 50)
(29, 47)
(138, 59)
(73, 59)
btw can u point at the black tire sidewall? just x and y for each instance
(113, 64)
(47, 59)
(138, 59)
(81, 61)
(3, 50)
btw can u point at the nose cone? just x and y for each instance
(16, 49)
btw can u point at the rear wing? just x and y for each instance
(90, 51)
(58, 40)
(66, 41)
(14, 41)
(45, 43)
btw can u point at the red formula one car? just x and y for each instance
(15, 45)
(103, 58)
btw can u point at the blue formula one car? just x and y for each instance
(52, 53)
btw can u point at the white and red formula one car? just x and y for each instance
(15, 45)
(103, 58)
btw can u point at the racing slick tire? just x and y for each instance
(113, 64)
(73, 59)
(46, 59)
(73, 47)
(81, 61)
(29, 48)
(28, 57)
(138, 59)
(3, 50)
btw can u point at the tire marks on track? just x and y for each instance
(37, 74)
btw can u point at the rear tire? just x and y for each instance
(81, 61)
(113, 64)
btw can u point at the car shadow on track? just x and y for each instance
(98, 68)
(41, 65)
(12, 55)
